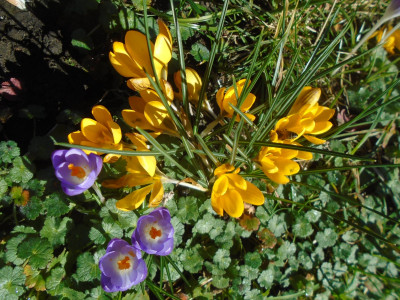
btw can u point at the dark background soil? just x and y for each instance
(60, 82)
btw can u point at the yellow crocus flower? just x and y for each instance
(277, 163)
(132, 59)
(392, 42)
(306, 118)
(141, 170)
(102, 132)
(230, 190)
(149, 113)
(193, 81)
(229, 97)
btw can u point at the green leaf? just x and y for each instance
(9, 150)
(192, 260)
(55, 278)
(34, 279)
(179, 230)
(302, 228)
(11, 282)
(12, 246)
(277, 224)
(87, 269)
(113, 230)
(222, 258)
(187, 209)
(37, 250)
(33, 209)
(20, 171)
(220, 282)
(327, 238)
(96, 236)
(253, 259)
(313, 216)
(55, 230)
(200, 52)
(81, 40)
(3, 187)
(55, 205)
(266, 278)
(23, 229)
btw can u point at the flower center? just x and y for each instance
(154, 233)
(124, 263)
(77, 171)
(284, 134)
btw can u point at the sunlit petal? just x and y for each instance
(157, 194)
(232, 203)
(220, 186)
(136, 46)
(314, 140)
(222, 169)
(134, 199)
(252, 194)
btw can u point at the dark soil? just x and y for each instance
(59, 81)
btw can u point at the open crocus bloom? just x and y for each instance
(229, 97)
(76, 170)
(154, 233)
(132, 59)
(230, 190)
(149, 113)
(121, 267)
(193, 81)
(102, 132)
(306, 118)
(277, 163)
(141, 171)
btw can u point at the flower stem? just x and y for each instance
(100, 196)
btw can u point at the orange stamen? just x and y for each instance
(124, 264)
(154, 233)
(77, 171)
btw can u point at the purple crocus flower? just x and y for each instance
(154, 233)
(76, 170)
(121, 267)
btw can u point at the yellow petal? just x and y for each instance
(220, 186)
(163, 29)
(138, 84)
(308, 96)
(220, 98)
(101, 114)
(149, 95)
(314, 140)
(232, 203)
(133, 119)
(157, 194)
(287, 166)
(237, 181)
(111, 158)
(278, 177)
(148, 163)
(136, 46)
(115, 183)
(193, 81)
(115, 131)
(168, 90)
(248, 102)
(134, 199)
(155, 113)
(123, 63)
(162, 53)
(217, 204)
(304, 155)
(252, 194)
(138, 140)
(324, 114)
(76, 138)
(222, 169)
(95, 132)
(137, 103)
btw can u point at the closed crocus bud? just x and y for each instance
(193, 81)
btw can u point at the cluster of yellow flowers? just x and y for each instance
(230, 190)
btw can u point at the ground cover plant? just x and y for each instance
(227, 149)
